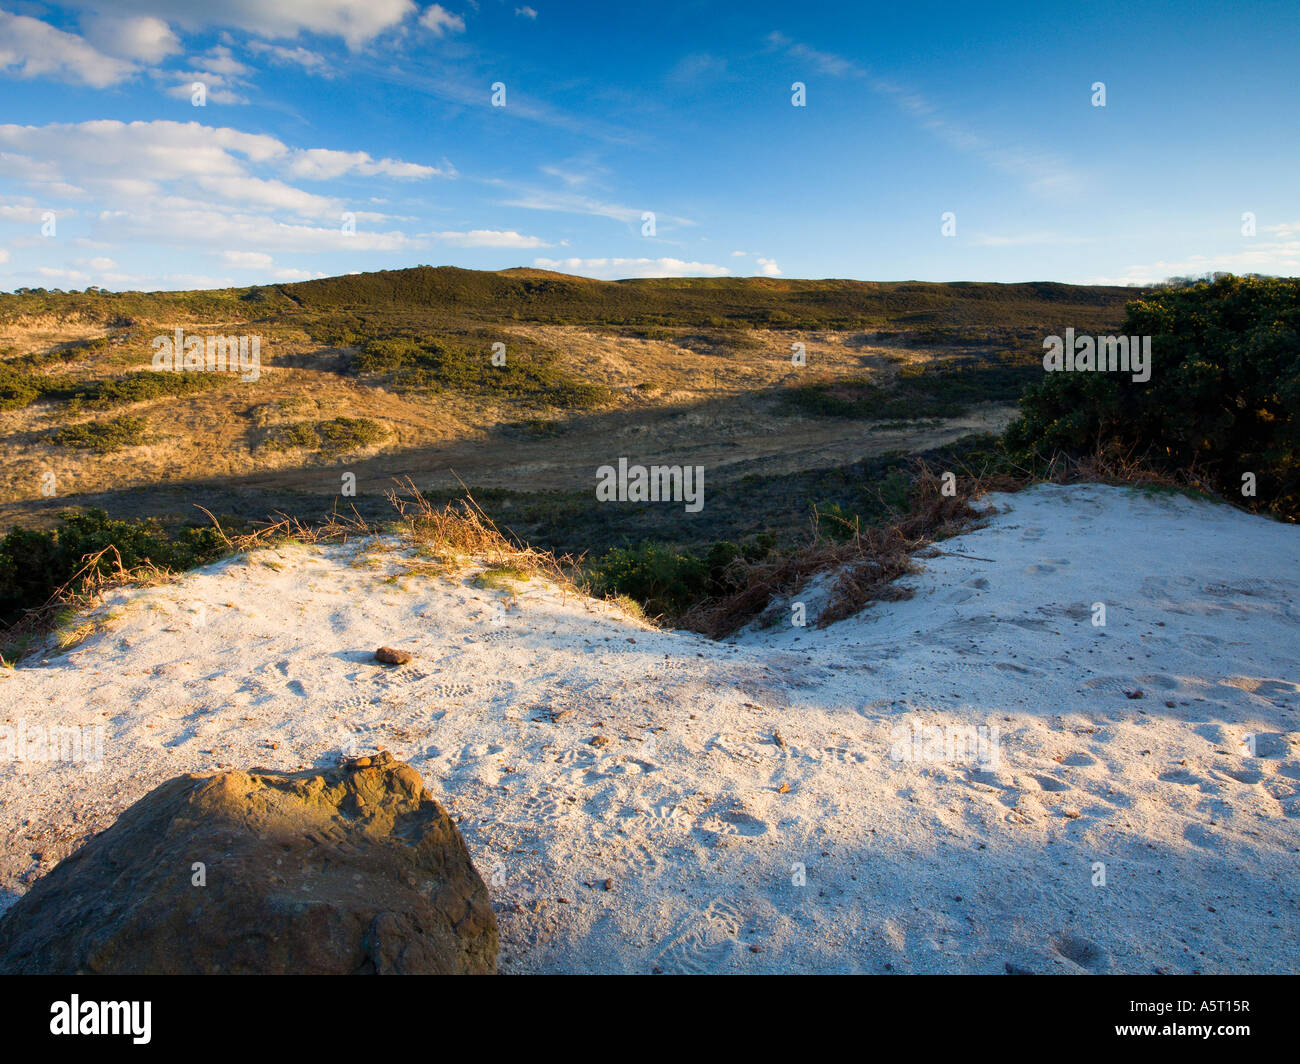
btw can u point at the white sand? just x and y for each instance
(911, 866)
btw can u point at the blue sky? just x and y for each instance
(378, 115)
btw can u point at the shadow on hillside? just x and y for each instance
(765, 466)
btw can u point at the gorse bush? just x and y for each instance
(35, 564)
(1223, 399)
(104, 437)
(19, 389)
(337, 436)
(464, 365)
(138, 387)
(667, 581)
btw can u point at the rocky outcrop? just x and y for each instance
(350, 870)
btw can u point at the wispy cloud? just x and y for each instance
(573, 203)
(1043, 173)
(616, 269)
(489, 238)
(440, 22)
(1018, 240)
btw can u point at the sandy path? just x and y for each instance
(673, 846)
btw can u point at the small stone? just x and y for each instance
(608, 884)
(599, 740)
(1135, 693)
(783, 789)
(389, 656)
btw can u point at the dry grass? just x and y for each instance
(85, 589)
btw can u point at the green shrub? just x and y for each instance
(104, 437)
(664, 580)
(140, 386)
(17, 389)
(667, 581)
(1223, 399)
(35, 564)
(337, 436)
(463, 364)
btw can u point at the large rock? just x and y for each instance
(352, 870)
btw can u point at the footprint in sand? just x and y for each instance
(1247, 776)
(542, 809)
(1249, 588)
(731, 822)
(1111, 685)
(1081, 952)
(449, 690)
(703, 942)
(1184, 776)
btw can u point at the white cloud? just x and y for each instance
(4, 255)
(613, 269)
(770, 268)
(145, 151)
(738, 254)
(213, 94)
(986, 240)
(139, 37)
(574, 204)
(97, 264)
(221, 61)
(311, 62)
(356, 21)
(823, 62)
(196, 225)
(490, 238)
(441, 21)
(322, 164)
(121, 162)
(247, 260)
(20, 212)
(526, 12)
(32, 48)
(213, 190)
(57, 274)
